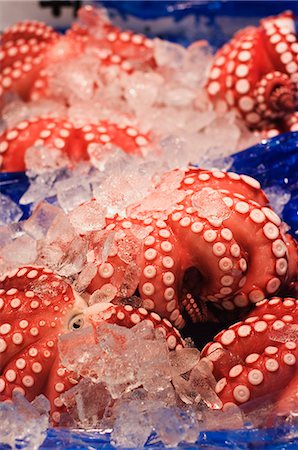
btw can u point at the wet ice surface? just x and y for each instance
(278, 198)
(24, 424)
(9, 210)
(133, 385)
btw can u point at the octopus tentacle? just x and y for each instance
(61, 134)
(256, 73)
(265, 363)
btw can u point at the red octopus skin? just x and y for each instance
(60, 133)
(36, 307)
(256, 73)
(249, 362)
(235, 262)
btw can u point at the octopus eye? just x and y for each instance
(76, 322)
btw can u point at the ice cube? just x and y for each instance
(41, 186)
(86, 402)
(203, 382)
(19, 251)
(14, 111)
(105, 294)
(278, 198)
(168, 54)
(87, 217)
(289, 333)
(163, 199)
(210, 205)
(24, 425)
(71, 198)
(79, 353)
(141, 89)
(10, 212)
(230, 418)
(74, 79)
(174, 425)
(85, 277)
(40, 159)
(39, 222)
(184, 360)
(131, 427)
(62, 250)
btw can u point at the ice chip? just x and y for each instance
(184, 360)
(39, 222)
(105, 294)
(24, 423)
(209, 204)
(289, 333)
(278, 198)
(42, 159)
(87, 217)
(86, 403)
(9, 210)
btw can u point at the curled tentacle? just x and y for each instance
(258, 356)
(256, 73)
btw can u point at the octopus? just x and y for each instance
(37, 306)
(256, 75)
(211, 238)
(29, 48)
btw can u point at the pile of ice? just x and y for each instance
(131, 384)
(24, 424)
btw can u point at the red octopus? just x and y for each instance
(28, 49)
(210, 237)
(256, 74)
(36, 307)
(78, 143)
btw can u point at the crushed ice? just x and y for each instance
(132, 384)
